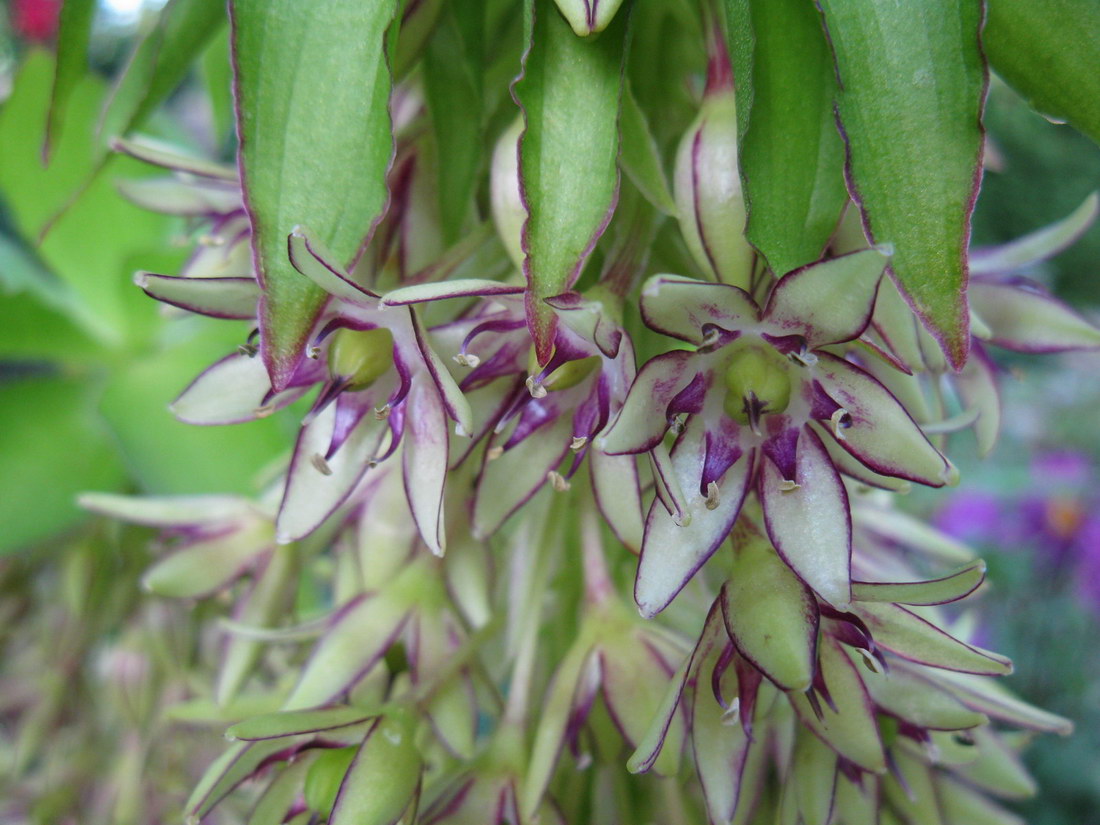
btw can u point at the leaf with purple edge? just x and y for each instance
(168, 156)
(236, 764)
(949, 588)
(569, 93)
(809, 522)
(202, 568)
(234, 298)
(296, 171)
(988, 697)
(383, 780)
(911, 637)
(827, 302)
(915, 700)
(912, 88)
(617, 489)
(771, 615)
(454, 402)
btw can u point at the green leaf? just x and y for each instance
(570, 94)
(384, 779)
(792, 156)
(912, 86)
(641, 159)
(313, 117)
(453, 82)
(74, 29)
(949, 588)
(217, 76)
(160, 62)
(1048, 50)
(53, 448)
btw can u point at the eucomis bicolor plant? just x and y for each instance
(611, 332)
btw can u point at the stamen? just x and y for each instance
(493, 453)
(804, 357)
(788, 486)
(211, 240)
(676, 425)
(868, 660)
(313, 353)
(248, 349)
(579, 442)
(536, 389)
(263, 411)
(713, 496)
(557, 481)
(383, 412)
(465, 359)
(710, 340)
(732, 714)
(321, 465)
(841, 419)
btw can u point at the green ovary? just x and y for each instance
(361, 357)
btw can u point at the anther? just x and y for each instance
(536, 389)
(493, 453)
(841, 419)
(578, 443)
(788, 486)
(713, 496)
(321, 465)
(264, 411)
(557, 481)
(465, 359)
(382, 413)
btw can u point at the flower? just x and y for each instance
(770, 408)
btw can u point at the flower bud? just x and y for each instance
(707, 187)
(324, 779)
(384, 778)
(509, 213)
(361, 356)
(757, 382)
(587, 17)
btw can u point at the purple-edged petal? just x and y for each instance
(359, 636)
(455, 403)
(202, 568)
(441, 290)
(878, 431)
(977, 385)
(510, 479)
(809, 522)
(911, 637)
(1027, 319)
(1037, 246)
(687, 309)
(643, 419)
(919, 702)
(827, 302)
(232, 390)
(617, 489)
(168, 511)
(317, 485)
(949, 588)
(720, 751)
(310, 257)
(168, 156)
(194, 199)
(988, 697)
(425, 461)
(671, 553)
(590, 320)
(234, 298)
(850, 729)
(635, 674)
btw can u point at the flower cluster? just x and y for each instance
(446, 576)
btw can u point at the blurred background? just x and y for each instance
(93, 676)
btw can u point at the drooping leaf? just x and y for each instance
(641, 158)
(313, 90)
(912, 86)
(74, 29)
(791, 154)
(453, 82)
(1048, 51)
(570, 94)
